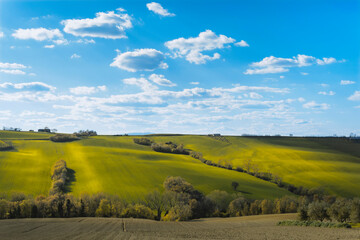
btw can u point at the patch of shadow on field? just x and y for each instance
(71, 179)
(244, 192)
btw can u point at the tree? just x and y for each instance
(340, 210)
(318, 211)
(220, 199)
(355, 210)
(104, 209)
(234, 185)
(154, 200)
(237, 207)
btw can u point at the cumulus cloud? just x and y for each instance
(83, 90)
(346, 82)
(12, 68)
(277, 65)
(31, 86)
(143, 83)
(110, 25)
(194, 83)
(40, 34)
(1, 34)
(330, 93)
(192, 48)
(316, 106)
(161, 80)
(355, 96)
(145, 59)
(242, 43)
(158, 9)
(75, 56)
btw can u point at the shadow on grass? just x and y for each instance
(70, 181)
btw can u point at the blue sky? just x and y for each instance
(233, 67)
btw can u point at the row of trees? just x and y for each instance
(331, 209)
(60, 137)
(59, 177)
(85, 133)
(178, 202)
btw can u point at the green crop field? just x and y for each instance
(116, 165)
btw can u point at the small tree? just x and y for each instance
(234, 185)
(355, 210)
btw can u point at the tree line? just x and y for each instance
(5, 146)
(179, 201)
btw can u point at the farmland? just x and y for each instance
(250, 227)
(115, 165)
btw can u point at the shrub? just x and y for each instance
(355, 210)
(179, 213)
(4, 146)
(318, 211)
(138, 211)
(220, 199)
(64, 137)
(143, 141)
(85, 133)
(340, 210)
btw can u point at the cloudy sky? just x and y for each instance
(233, 67)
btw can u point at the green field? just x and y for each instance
(116, 165)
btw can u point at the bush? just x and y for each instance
(138, 211)
(179, 213)
(313, 224)
(4, 146)
(355, 210)
(340, 210)
(318, 211)
(64, 137)
(220, 199)
(143, 141)
(59, 177)
(169, 148)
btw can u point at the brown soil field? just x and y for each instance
(251, 227)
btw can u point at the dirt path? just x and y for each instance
(251, 227)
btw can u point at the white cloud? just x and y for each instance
(355, 96)
(31, 86)
(316, 106)
(161, 80)
(83, 90)
(12, 68)
(75, 56)
(38, 34)
(194, 83)
(86, 41)
(13, 71)
(49, 46)
(33, 113)
(277, 65)
(242, 43)
(158, 9)
(145, 59)
(255, 95)
(109, 25)
(282, 77)
(324, 85)
(192, 48)
(143, 83)
(304, 73)
(330, 93)
(1, 34)
(12, 65)
(346, 82)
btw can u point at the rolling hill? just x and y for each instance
(116, 165)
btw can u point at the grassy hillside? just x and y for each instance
(118, 166)
(333, 163)
(8, 135)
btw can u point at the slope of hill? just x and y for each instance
(332, 163)
(116, 165)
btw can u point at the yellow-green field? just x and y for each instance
(116, 165)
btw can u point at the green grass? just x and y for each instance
(10, 135)
(116, 165)
(333, 163)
